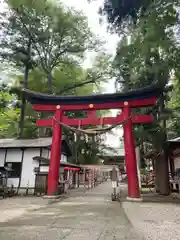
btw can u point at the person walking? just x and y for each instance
(114, 179)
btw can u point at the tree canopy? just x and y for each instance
(148, 52)
(46, 44)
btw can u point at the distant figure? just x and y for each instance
(66, 185)
(114, 177)
(114, 180)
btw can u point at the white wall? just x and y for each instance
(13, 181)
(176, 162)
(2, 157)
(45, 153)
(63, 158)
(14, 155)
(44, 168)
(28, 165)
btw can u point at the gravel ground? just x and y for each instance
(155, 220)
(83, 216)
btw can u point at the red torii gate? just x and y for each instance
(126, 101)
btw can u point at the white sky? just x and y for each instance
(91, 11)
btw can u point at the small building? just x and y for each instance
(174, 155)
(29, 158)
(115, 156)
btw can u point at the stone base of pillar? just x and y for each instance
(134, 199)
(52, 196)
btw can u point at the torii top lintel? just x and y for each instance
(135, 98)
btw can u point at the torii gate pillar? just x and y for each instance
(53, 176)
(130, 154)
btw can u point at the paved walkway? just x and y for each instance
(87, 216)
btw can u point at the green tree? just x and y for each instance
(58, 35)
(8, 114)
(147, 54)
(49, 42)
(46, 34)
(65, 78)
(16, 48)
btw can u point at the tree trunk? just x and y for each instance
(23, 102)
(162, 175)
(162, 164)
(164, 180)
(49, 77)
(43, 132)
(142, 158)
(157, 166)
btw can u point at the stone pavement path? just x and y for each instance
(89, 216)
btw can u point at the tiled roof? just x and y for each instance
(16, 143)
(174, 140)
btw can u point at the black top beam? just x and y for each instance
(135, 94)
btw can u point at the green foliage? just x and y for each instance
(149, 53)
(120, 14)
(57, 35)
(8, 115)
(48, 43)
(173, 124)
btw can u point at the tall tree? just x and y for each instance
(148, 53)
(58, 35)
(16, 49)
(43, 33)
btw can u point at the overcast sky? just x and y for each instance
(91, 11)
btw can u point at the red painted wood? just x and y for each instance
(44, 122)
(142, 118)
(115, 105)
(53, 176)
(129, 147)
(93, 121)
(71, 169)
(91, 114)
(96, 121)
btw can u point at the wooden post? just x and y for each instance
(76, 179)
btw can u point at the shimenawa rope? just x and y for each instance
(93, 131)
